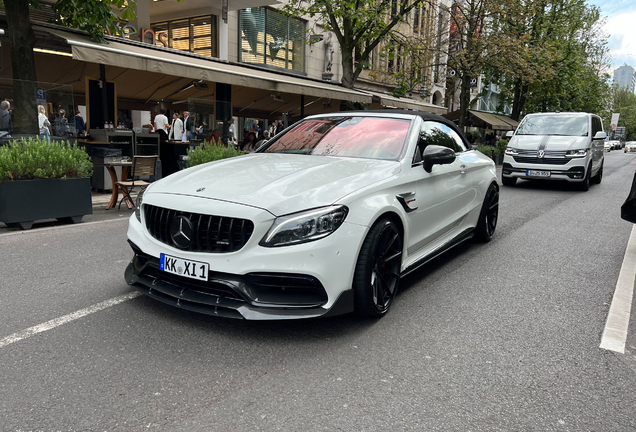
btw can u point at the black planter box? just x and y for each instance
(24, 201)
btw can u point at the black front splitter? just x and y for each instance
(224, 306)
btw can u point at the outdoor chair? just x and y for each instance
(141, 166)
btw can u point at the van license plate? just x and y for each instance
(192, 269)
(532, 173)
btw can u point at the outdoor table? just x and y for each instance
(125, 167)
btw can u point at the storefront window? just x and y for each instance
(197, 35)
(267, 37)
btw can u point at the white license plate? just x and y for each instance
(192, 269)
(538, 173)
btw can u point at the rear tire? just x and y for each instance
(488, 216)
(377, 275)
(508, 181)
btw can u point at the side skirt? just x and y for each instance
(462, 237)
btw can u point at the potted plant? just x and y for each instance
(43, 180)
(486, 150)
(497, 156)
(210, 153)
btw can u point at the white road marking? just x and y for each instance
(58, 227)
(56, 322)
(615, 332)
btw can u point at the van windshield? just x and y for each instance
(551, 124)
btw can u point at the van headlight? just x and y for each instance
(576, 153)
(305, 226)
(512, 151)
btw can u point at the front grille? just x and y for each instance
(214, 234)
(543, 160)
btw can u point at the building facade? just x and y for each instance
(625, 76)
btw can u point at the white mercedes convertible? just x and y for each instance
(322, 220)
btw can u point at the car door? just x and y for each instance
(442, 197)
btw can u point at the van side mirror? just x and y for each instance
(600, 135)
(509, 134)
(437, 155)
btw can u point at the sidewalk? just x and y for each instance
(101, 200)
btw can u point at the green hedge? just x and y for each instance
(487, 150)
(34, 158)
(210, 153)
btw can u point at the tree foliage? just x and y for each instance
(357, 24)
(559, 66)
(622, 101)
(94, 16)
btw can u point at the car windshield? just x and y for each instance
(566, 124)
(364, 137)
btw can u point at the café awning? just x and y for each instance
(388, 101)
(151, 58)
(485, 120)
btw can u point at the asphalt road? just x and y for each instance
(497, 337)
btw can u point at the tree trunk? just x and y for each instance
(347, 67)
(521, 93)
(22, 40)
(464, 102)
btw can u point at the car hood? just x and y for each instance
(279, 183)
(551, 142)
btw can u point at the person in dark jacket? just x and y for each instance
(6, 125)
(80, 125)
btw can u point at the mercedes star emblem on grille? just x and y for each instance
(181, 232)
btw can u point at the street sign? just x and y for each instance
(40, 96)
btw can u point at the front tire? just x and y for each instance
(488, 216)
(377, 275)
(599, 175)
(584, 186)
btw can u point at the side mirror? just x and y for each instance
(600, 135)
(509, 134)
(437, 155)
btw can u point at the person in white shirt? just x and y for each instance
(161, 121)
(232, 130)
(176, 129)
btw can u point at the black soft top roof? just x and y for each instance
(424, 115)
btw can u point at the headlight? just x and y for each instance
(305, 226)
(512, 151)
(576, 153)
(140, 198)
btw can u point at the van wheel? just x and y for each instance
(599, 175)
(508, 181)
(584, 186)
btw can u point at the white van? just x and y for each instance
(556, 146)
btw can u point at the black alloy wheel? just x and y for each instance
(488, 216)
(377, 275)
